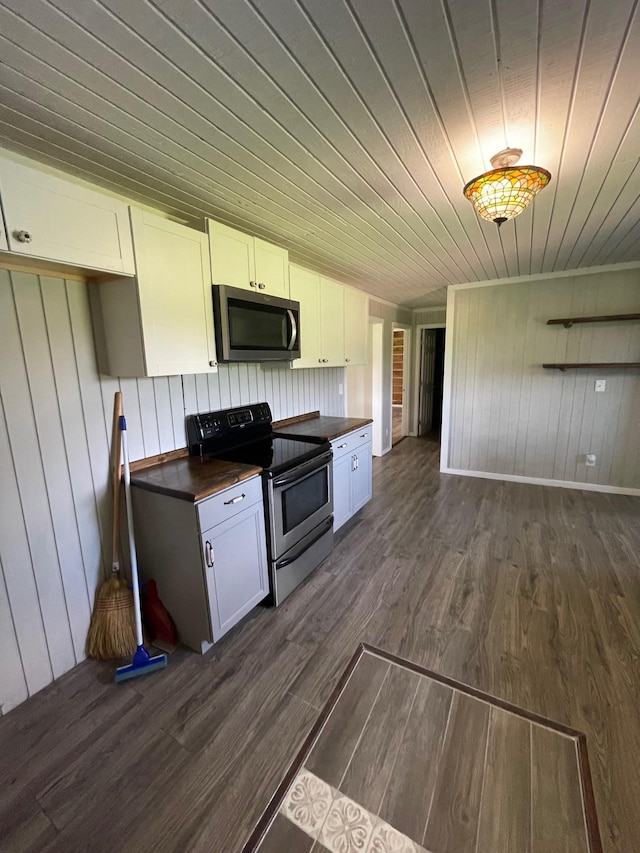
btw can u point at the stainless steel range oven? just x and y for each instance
(297, 487)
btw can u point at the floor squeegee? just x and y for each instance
(142, 662)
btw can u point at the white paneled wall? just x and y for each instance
(55, 422)
(511, 416)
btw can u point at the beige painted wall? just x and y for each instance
(508, 415)
(55, 421)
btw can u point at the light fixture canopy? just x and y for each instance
(507, 189)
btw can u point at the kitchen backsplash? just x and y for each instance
(55, 423)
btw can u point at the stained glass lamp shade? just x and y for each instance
(504, 192)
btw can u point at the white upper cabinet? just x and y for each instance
(356, 326)
(332, 322)
(305, 289)
(239, 260)
(161, 322)
(54, 219)
(321, 318)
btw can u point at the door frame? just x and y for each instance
(376, 330)
(407, 360)
(415, 409)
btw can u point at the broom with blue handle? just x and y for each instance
(142, 662)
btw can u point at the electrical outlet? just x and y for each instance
(591, 460)
(601, 384)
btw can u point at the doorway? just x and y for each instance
(400, 383)
(430, 380)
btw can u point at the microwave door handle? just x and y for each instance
(294, 329)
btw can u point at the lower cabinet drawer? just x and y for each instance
(230, 502)
(348, 443)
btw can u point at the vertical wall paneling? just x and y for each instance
(510, 416)
(13, 686)
(76, 446)
(17, 390)
(55, 438)
(51, 448)
(18, 576)
(164, 420)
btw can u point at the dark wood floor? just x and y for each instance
(529, 593)
(403, 759)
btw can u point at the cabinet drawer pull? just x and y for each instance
(22, 236)
(364, 434)
(235, 500)
(340, 446)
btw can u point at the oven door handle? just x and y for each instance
(303, 470)
(286, 561)
(294, 329)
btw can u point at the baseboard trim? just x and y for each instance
(543, 481)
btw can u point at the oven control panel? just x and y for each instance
(211, 428)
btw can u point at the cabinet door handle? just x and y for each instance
(347, 360)
(340, 446)
(235, 500)
(213, 363)
(208, 554)
(22, 236)
(357, 461)
(253, 284)
(262, 286)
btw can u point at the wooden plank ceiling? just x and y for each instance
(344, 129)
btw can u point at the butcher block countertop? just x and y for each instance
(317, 426)
(190, 478)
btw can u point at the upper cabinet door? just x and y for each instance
(332, 322)
(305, 289)
(174, 293)
(272, 268)
(54, 219)
(232, 257)
(356, 326)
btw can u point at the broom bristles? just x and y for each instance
(112, 633)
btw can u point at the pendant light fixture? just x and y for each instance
(507, 189)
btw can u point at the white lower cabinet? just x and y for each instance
(209, 558)
(352, 474)
(236, 568)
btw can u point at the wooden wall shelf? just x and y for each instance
(620, 365)
(568, 322)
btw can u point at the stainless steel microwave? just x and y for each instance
(255, 326)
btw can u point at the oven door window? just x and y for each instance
(260, 327)
(301, 500)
